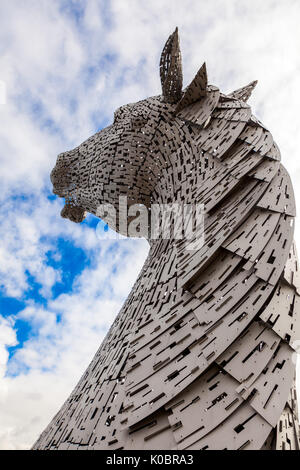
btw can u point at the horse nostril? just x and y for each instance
(59, 175)
(54, 176)
(63, 176)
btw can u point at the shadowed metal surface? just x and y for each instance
(201, 356)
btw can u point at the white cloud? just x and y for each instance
(58, 353)
(53, 103)
(7, 338)
(29, 231)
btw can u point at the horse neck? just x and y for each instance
(175, 186)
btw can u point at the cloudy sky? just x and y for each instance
(66, 65)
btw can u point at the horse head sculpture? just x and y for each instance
(128, 157)
(201, 356)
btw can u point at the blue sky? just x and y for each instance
(67, 65)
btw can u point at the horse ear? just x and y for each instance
(245, 92)
(196, 90)
(171, 69)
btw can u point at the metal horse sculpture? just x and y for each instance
(201, 354)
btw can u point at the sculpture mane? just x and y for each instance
(201, 354)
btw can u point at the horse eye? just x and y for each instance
(115, 116)
(138, 122)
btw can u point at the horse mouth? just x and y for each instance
(73, 213)
(59, 192)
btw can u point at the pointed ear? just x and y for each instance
(245, 92)
(196, 90)
(171, 69)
